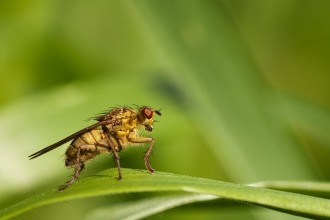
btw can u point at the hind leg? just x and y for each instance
(78, 168)
(79, 165)
(75, 176)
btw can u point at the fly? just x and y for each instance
(114, 130)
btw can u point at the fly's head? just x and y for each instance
(146, 117)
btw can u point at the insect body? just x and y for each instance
(114, 130)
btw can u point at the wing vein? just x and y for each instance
(63, 141)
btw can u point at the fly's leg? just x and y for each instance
(112, 142)
(78, 168)
(147, 153)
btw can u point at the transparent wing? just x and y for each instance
(77, 134)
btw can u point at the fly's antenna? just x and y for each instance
(158, 112)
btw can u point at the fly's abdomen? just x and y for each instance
(91, 144)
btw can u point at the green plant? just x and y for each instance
(224, 118)
(105, 183)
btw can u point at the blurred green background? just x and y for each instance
(244, 87)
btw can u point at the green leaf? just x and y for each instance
(318, 189)
(105, 183)
(147, 207)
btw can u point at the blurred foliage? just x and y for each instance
(244, 88)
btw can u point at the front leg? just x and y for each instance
(146, 155)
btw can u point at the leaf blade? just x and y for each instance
(105, 183)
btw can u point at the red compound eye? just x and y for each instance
(148, 112)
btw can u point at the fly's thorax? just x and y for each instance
(134, 133)
(122, 137)
(129, 123)
(118, 125)
(121, 113)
